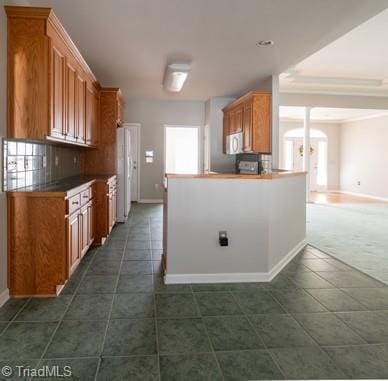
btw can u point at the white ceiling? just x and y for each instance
(128, 42)
(356, 63)
(332, 115)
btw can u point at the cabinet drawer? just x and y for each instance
(85, 196)
(74, 203)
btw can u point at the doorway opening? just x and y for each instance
(294, 151)
(181, 149)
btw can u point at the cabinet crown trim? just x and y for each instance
(245, 98)
(50, 17)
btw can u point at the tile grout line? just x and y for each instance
(154, 300)
(13, 319)
(110, 311)
(207, 333)
(64, 313)
(246, 316)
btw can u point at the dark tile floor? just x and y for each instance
(116, 320)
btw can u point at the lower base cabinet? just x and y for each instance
(48, 233)
(106, 210)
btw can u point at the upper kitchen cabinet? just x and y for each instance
(61, 103)
(102, 159)
(251, 115)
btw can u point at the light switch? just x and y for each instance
(149, 156)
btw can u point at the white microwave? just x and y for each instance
(234, 143)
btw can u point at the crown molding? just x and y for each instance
(286, 90)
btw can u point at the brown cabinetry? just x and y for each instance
(53, 105)
(81, 109)
(43, 252)
(102, 159)
(106, 210)
(250, 114)
(73, 241)
(70, 104)
(92, 119)
(57, 93)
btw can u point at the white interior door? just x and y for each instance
(298, 161)
(134, 130)
(314, 166)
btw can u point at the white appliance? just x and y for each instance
(124, 173)
(234, 143)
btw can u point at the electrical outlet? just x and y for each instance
(358, 182)
(156, 186)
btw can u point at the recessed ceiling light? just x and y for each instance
(264, 43)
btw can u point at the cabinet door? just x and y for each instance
(110, 212)
(84, 230)
(71, 107)
(232, 122)
(247, 127)
(91, 222)
(57, 93)
(225, 130)
(80, 93)
(73, 241)
(261, 122)
(238, 119)
(89, 115)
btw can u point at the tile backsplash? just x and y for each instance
(29, 163)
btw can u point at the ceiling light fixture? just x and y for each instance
(264, 43)
(175, 76)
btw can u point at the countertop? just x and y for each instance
(276, 174)
(60, 187)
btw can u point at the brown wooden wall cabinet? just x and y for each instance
(250, 114)
(61, 103)
(102, 159)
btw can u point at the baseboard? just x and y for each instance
(4, 296)
(363, 195)
(216, 278)
(235, 277)
(287, 259)
(150, 201)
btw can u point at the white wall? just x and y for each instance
(364, 154)
(332, 131)
(263, 233)
(219, 162)
(3, 205)
(153, 115)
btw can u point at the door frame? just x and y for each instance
(298, 140)
(200, 143)
(137, 127)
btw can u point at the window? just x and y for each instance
(181, 149)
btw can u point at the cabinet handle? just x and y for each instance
(84, 196)
(74, 203)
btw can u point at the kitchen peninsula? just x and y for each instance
(264, 217)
